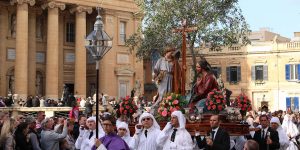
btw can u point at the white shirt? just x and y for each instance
(182, 141)
(130, 141)
(83, 141)
(216, 130)
(147, 143)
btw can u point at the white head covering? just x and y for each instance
(124, 126)
(275, 120)
(145, 115)
(250, 121)
(93, 118)
(181, 119)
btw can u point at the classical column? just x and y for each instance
(3, 35)
(52, 64)
(32, 52)
(80, 51)
(21, 63)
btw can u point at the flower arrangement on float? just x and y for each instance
(243, 103)
(215, 101)
(171, 102)
(127, 106)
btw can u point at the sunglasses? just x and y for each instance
(146, 119)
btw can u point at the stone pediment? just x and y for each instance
(124, 71)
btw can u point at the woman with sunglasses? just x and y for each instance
(146, 133)
(111, 141)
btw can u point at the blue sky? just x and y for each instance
(281, 16)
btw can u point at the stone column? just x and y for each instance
(52, 63)
(3, 35)
(21, 63)
(80, 51)
(32, 52)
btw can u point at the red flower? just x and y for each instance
(220, 107)
(125, 112)
(213, 107)
(249, 108)
(175, 102)
(164, 113)
(126, 102)
(131, 111)
(218, 101)
(245, 105)
(211, 102)
(208, 107)
(127, 107)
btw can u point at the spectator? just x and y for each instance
(49, 138)
(22, 142)
(7, 140)
(251, 145)
(33, 136)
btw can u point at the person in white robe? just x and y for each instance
(86, 138)
(124, 133)
(146, 133)
(283, 138)
(174, 136)
(291, 130)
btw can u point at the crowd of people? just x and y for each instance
(267, 131)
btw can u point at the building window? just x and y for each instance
(233, 74)
(292, 103)
(259, 72)
(122, 37)
(70, 32)
(123, 88)
(292, 72)
(216, 71)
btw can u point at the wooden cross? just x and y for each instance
(184, 30)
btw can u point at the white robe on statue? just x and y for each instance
(183, 139)
(147, 143)
(283, 138)
(129, 140)
(290, 129)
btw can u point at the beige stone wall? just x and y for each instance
(53, 48)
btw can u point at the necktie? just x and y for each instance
(146, 131)
(213, 135)
(91, 134)
(263, 134)
(173, 135)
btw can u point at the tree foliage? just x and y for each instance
(218, 23)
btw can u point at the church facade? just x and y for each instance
(42, 48)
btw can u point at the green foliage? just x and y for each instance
(217, 22)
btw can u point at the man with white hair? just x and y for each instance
(174, 135)
(86, 138)
(124, 133)
(146, 133)
(283, 138)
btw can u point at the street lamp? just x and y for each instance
(98, 44)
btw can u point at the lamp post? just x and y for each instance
(98, 44)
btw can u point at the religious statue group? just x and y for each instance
(167, 74)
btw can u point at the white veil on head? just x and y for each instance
(124, 126)
(181, 119)
(145, 115)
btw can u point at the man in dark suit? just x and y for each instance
(218, 140)
(267, 138)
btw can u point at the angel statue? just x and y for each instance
(167, 74)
